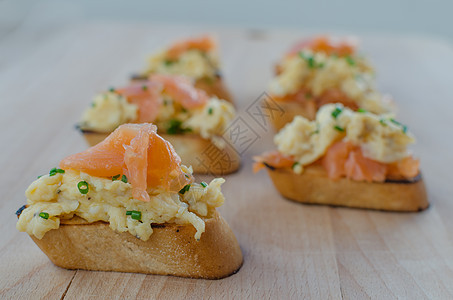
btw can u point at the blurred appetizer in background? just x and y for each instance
(325, 70)
(186, 116)
(195, 58)
(346, 158)
(129, 205)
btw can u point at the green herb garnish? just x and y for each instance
(116, 177)
(339, 128)
(382, 121)
(112, 90)
(40, 176)
(175, 127)
(350, 60)
(361, 110)
(203, 184)
(168, 62)
(403, 127)
(184, 189)
(295, 164)
(210, 110)
(83, 187)
(54, 171)
(124, 178)
(44, 215)
(336, 112)
(136, 215)
(145, 87)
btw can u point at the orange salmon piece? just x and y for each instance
(137, 151)
(203, 43)
(324, 44)
(147, 96)
(274, 159)
(181, 90)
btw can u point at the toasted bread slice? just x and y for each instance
(313, 186)
(203, 155)
(215, 87)
(171, 249)
(306, 109)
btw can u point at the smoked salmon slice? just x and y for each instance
(139, 153)
(324, 44)
(274, 159)
(147, 96)
(203, 43)
(343, 159)
(181, 90)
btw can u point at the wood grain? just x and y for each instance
(48, 75)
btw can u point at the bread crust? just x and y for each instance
(215, 87)
(203, 155)
(171, 249)
(292, 109)
(313, 186)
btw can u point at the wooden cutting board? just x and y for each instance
(48, 75)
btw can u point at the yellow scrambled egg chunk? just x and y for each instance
(108, 111)
(193, 63)
(318, 73)
(381, 138)
(109, 201)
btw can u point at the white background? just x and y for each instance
(417, 17)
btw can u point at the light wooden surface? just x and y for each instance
(48, 76)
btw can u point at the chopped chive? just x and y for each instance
(40, 176)
(83, 187)
(382, 121)
(54, 171)
(210, 110)
(309, 59)
(337, 111)
(116, 177)
(403, 127)
(315, 132)
(175, 127)
(321, 65)
(361, 110)
(112, 90)
(145, 88)
(124, 178)
(184, 189)
(350, 60)
(203, 184)
(136, 215)
(311, 62)
(44, 215)
(295, 164)
(183, 110)
(187, 176)
(339, 128)
(20, 210)
(168, 62)
(93, 104)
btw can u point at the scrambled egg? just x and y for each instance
(108, 111)
(109, 201)
(210, 121)
(381, 138)
(318, 72)
(192, 63)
